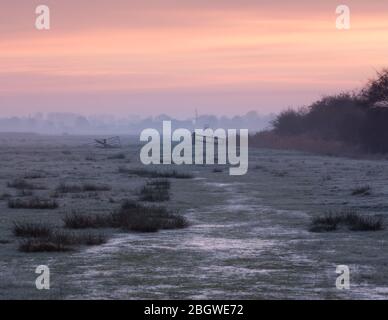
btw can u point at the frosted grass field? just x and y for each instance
(248, 238)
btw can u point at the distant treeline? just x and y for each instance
(71, 123)
(357, 120)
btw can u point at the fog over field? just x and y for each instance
(72, 123)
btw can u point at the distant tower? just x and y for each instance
(195, 122)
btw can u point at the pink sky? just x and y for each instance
(163, 56)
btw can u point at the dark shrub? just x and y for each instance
(377, 89)
(357, 120)
(289, 122)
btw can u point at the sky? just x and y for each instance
(223, 57)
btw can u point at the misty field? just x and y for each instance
(277, 232)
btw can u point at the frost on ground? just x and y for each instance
(249, 236)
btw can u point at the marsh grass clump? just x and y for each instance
(83, 221)
(351, 220)
(68, 188)
(131, 216)
(5, 196)
(32, 230)
(86, 187)
(324, 223)
(32, 203)
(152, 194)
(156, 174)
(34, 175)
(41, 245)
(160, 183)
(156, 191)
(139, 218)
(58, 241)
(90, 239)
(117, 156)
(280, 173)
(25, 193)
(369, 223)
(362, 191)
(95, 187)
(124, 170)
(65, 238)
(20, 184)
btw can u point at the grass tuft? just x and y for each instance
(83, 221)
(156, 174)
(68, 188)
(95, 187)
(32, 203)
(86, 187)
(33, 230)
(156, 191)
(34, 175)
(41, 245)
(5, 196)
(139, 218)
(117, 156)
(55, 241)
(132, 216)
(350, 219)
(362, 191)
(20, 184)
(65, 238)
